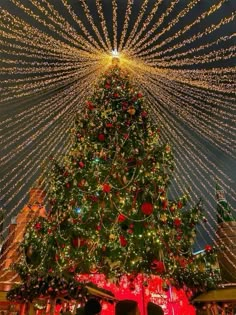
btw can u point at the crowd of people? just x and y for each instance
(126, 307)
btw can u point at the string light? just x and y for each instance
(52, 59)
(145, 24)
(191, 168)
(136, 24)
(90, 19)
(114, 23)
(153, 29)
(126, 23)
(103, 24)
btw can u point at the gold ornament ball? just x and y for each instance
(131, 110)
(163, 218)
(202, 267)
(112, 237)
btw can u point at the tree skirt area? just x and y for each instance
(143, 291)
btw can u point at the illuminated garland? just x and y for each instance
(187, 75)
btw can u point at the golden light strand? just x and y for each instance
(90, 19)
(81, 25)
(136, 24)
(149, 34)
(103, 24)
(180, 32)
(126, 24)
(196, 188)
(52, 58)
(114, 23)
(145, 24)
(194, 50)
(193, 38)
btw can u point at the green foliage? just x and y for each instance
(49, 286)
(110, 211)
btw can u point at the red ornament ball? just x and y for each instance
(147, 208)
(38, 226)
(76, 242)
(106, 188)
(123, 241)
(183, 262)
(81, 164)
(121, 218)
(90, 105)
(164, 204)
(179, 204)
(208, 248)
(124, 105)
(101, 137)
(177, 222)
(158, 266)
(98, 227)
(81, 183)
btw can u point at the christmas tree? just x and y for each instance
(224, 212)
(110, 212)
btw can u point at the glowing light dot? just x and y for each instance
(78, 210)
(115, 53)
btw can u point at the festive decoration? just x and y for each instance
(157, 266)
(181, 56)
(48, 286)
(124, 225)
(224, 212)
(147, 208)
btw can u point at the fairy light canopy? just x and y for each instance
(181, 56)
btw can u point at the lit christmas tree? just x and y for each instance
(110, 212)
(224, 212)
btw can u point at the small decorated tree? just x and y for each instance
(110, 211)
(226, 236)
(224, 211)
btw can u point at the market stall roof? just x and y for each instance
(219, 295)
(101, 293)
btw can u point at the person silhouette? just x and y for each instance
(92, 307)
(153, 309)
(127, 307)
